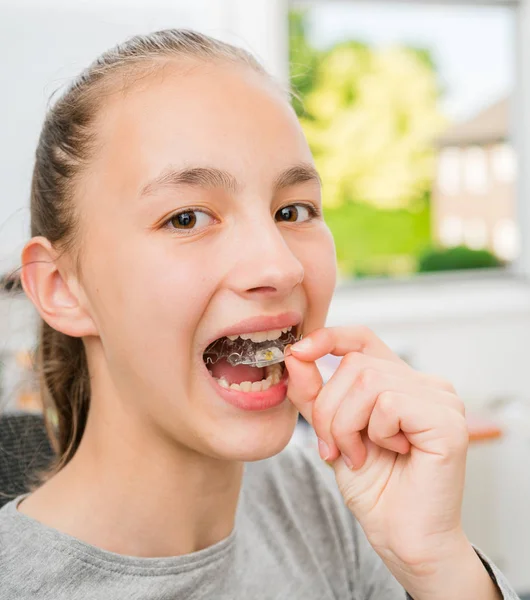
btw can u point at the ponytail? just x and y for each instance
(65, 390)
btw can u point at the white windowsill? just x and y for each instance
(462, 295)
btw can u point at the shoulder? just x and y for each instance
(12, 525)
(14, 536)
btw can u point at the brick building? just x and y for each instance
(474, 193)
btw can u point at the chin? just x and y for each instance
(252, 437)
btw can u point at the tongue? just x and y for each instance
(223, 368)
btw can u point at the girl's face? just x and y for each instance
(201, 219)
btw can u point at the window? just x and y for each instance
(476, 234)
(504, 162)
(449, 171)
(451, 231)
(476, 171)
(409, 124)
(506, 239)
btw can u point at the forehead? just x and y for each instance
(227, 116)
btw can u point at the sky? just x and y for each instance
(473, 47)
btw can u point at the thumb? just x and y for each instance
(305, 383)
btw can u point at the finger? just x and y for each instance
(318, 404)
(384, 427)
(430, 427)
(326, 405)
(305, 383)
(355, 410)
(340, 341)
(352, 417)
(358, 361)
(351, 443)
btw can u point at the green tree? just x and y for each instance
(373, 114)
(371, 241)
(303, 60)
(370, 116)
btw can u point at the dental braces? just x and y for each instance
(246, 352)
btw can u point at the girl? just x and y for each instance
(174, 203)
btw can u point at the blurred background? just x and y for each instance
(417, 115)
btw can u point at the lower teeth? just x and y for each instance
(274, 374)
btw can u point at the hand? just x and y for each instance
(397, 440)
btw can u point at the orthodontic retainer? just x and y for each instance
(247, 352)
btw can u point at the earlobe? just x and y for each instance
(47, 286)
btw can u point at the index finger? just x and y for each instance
(339, 341)
(305, 383)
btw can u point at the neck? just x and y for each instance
(132, 491)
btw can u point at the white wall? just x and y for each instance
(44, 44)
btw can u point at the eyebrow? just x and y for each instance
(210, 177)
(298, 174)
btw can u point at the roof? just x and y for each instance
(490, 125)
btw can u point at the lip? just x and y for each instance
(254, 401)
(261, 323)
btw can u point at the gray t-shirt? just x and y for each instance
(294, 538)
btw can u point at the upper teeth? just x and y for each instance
(261, 336)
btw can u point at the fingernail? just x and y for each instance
(287, 350)
(323, 449)
(302, 345)
(348, 462)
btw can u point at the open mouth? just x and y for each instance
(249, 362)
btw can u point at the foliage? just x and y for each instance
(460, 257)
(303, 58)
(370, 241)
(370, 117)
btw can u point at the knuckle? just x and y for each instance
(340, 429)
(373, 432)
(442, 384)
(353, 359)
(454, 402)
(459, 405)
(386, 402)
(367, 378)
(365, 332)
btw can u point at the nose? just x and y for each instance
(266, 266)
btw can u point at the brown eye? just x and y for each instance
(189, 220)
(184, 220)
(288, 213)
(295, 213)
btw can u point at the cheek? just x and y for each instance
(145, 292)
(320, 274)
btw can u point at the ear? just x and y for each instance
(54, 294)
